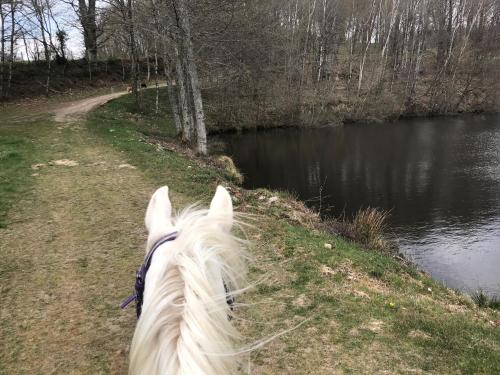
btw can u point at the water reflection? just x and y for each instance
(439, 177)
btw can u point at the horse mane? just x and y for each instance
(184, 326)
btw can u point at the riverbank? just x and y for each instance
(362, 311)
(363, 304)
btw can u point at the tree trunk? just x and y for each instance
(157, 86)
(26, 47)
(371, 21)
(148, 65)
(182, 92)
(133, 50)
(192, 73)
(12, 42)
(172, 96)
(39, 13)
(2, 51)
(87, 15)
(322, 44)
(304, 54)
(441, 33)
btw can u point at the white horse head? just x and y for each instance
(184, 326)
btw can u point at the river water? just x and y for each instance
(439, 177)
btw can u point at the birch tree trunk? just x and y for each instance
(369, 31)
(182, 92)
(157, 85)
(306, 45)
(148, 65)
(391, 25)
(192, 73)
(291, 59)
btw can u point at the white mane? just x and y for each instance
(184, 326)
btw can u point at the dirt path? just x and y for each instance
(72, 110)
(71, 252)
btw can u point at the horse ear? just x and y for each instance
(159, 210)
(221, 208)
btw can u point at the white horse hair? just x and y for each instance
(184, 326)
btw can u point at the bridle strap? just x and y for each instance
(140, 278)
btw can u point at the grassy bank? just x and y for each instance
(363, 312)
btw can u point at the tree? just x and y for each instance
(62, 38)
(185, 45)
(86, 11)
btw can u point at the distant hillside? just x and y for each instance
(29, 79)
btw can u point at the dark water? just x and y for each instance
(439, 177)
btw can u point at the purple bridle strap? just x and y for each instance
(141, 274)
(127, 301)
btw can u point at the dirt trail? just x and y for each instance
(71, 110)
(71, 253)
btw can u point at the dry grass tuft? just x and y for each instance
(229, 167)
(367, 227)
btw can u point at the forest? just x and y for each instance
(235, 64)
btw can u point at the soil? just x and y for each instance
(71, 110)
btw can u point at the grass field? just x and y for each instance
(72, 238)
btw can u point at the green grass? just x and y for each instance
(424, 327)
(19, 149)
(363, 311)
(131, 130)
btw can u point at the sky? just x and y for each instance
(68, 21)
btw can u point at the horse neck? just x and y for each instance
(184, 326)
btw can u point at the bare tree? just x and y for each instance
(185, 49)
(13, 37)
